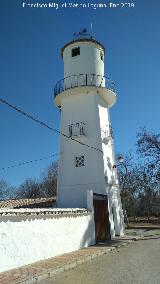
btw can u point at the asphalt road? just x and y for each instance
(135, 263)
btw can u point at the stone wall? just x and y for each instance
(30, 235)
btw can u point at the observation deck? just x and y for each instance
(82, 83)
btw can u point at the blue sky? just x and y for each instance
(30, 66)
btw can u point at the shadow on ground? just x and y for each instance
(145, 227)
(146, 238)
(111, 243)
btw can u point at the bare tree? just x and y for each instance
(147, 191)
(46, 187)
(6, 191)
(49, 181)
(29, 189)
(148, 146)
(139, 190)
(128, 180)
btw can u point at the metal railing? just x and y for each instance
(74, 81)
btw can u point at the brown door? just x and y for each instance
(101, 218)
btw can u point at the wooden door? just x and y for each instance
(101, 218)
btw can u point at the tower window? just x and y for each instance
(77, 129)
(79, 161)
(75, 51)
(102, 56)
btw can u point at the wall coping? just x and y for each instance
(61, 212)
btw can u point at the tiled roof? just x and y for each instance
(29, 202)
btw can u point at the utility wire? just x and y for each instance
(31, 161)
(46, 125)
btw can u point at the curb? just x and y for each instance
(65, 267)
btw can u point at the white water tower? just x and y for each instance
(84, 97)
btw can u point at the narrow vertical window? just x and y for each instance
(102, 56)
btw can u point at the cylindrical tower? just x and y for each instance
(86, 161)
(83, 56)
(84, 67)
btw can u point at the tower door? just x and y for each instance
(101, 217)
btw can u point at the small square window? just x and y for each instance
(75, 51)
(79, 161)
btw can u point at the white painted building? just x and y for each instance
(87, 167)
(87, 178)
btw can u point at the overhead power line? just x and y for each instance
(28, 162)
(46, 125)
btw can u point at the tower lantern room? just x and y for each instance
(86, 162)
(84, 66)
(83, 56)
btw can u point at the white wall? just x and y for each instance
(112, 185)
(73, 182)
(88, 62)
(116, 217)
(25, 239)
